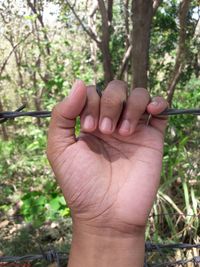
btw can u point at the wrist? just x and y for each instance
(104, 247)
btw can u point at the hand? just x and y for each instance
(110, 174)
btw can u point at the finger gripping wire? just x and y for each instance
(5, 115)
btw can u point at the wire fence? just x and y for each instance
(4, 116)
(60, 258)
(155, 254)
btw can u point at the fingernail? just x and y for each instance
(88, 122)
(106, 125)
(155, 103)
(125, 126)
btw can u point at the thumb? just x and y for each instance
(61, 132)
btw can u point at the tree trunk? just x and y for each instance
(107, 66)
(142, 14)
(123, 69)
(3, 127)
(105, 39)
(181, 50)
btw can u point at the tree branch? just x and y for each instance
(11, 52)
(104, 14)
(124, 62)
(126, 22)
(40, 19)
(39, 16)
(89, 32)
(109, 12)
(181, 50)
(105, 40)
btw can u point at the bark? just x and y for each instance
(3, 127)
(142, 14)
(181, 50)
(105, 39)
(110, 13)
(123, 71)
(196, 65)
(196, 60)
(126, 22)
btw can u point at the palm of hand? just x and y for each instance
(108, 178)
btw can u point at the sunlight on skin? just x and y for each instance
(109, 177)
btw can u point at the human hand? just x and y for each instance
(109, 175)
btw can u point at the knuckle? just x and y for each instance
(113, 100)
(91, 107)
(57, 112)
(142, 92)
(90, 88)
(118, 84)
(92, 102)
(91, 92)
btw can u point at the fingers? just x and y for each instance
(112, 112)
(135, 108)
(111, 105)
(115, 112)
(155, 107)
(90, 114)
(104, 113)
(63, 119)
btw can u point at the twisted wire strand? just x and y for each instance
(49, 256)
(195, 260)
(4, 116)
(54, 256)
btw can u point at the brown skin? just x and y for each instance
(109, 175)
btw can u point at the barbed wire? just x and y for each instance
(4, 116)
(55, 256)
(48, 256)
